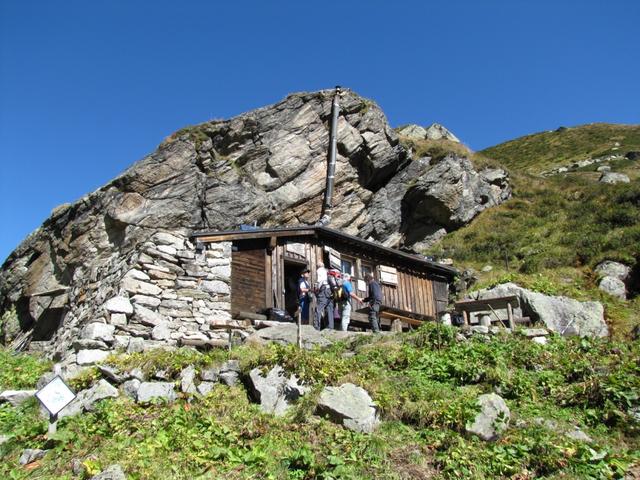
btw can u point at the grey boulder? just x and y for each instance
(16, 397)
(563, 315)
(99, 391)
(275, 392)
(439, 132)
(493, 418)
(31, 455)
(612, 178)
(350, 406)
(187, 380)
(149, 391)
(614, 287)
(609, 268)
(86, 399)
(113, 472)
(414, 132)
(130, 388)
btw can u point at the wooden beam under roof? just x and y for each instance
(220, 237)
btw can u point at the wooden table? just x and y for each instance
(489, 304)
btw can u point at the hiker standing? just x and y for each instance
(303, 295)
(324, 298)
(345, 301)
(374, 299)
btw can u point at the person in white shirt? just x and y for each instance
(324, 298)
(321, 275)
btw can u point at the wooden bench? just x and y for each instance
(489, 305)
(388, 315)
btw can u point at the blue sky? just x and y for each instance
(87, 88)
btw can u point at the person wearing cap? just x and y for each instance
(345, 305)
(303, 295)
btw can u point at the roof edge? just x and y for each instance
(327, 232)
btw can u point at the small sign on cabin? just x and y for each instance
(334, 258)
(297, 248)
(388, 275)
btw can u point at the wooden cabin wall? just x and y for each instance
(248, 288)
(441, 291)
(258, 281)
(413, 293)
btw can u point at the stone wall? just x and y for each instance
(166, 293)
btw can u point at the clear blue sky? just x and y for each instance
(87, 87)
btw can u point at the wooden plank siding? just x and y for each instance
(413, 293)
(248, 288)
(258, 265)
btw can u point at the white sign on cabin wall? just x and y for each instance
(388, 275)
(297, 248)
(362, 286)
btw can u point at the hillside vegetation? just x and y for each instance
(425, 385)
(542, 151)
(556, 229)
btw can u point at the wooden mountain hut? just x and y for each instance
(266, 264)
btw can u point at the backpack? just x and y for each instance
(339, 295)
(337, 292)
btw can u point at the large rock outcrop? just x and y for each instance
(563, 315)
(266, 166)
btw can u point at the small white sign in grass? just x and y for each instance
(55, 395)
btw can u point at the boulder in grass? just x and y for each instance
(609, 268)
(563, 315)
(350, 406)
(187, 378)
(493, 418)
(149, 391)
(613, 177)
(99, 391)
(614, 287)
(30, 455)
(275, 391)
(16, 397)
(112, 472)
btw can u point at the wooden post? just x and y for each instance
(396, 326)
(510, 316)
(465, 317)
(299, 318)
(53, 425)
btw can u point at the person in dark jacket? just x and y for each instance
(324, 297)
(303, 295)
(374, 298)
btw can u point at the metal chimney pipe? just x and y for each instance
(331, 168)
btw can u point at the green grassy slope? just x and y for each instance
(542, 151)
(425, 385)
(555, 229)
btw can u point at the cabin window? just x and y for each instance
(366, 268)
(347, 266)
